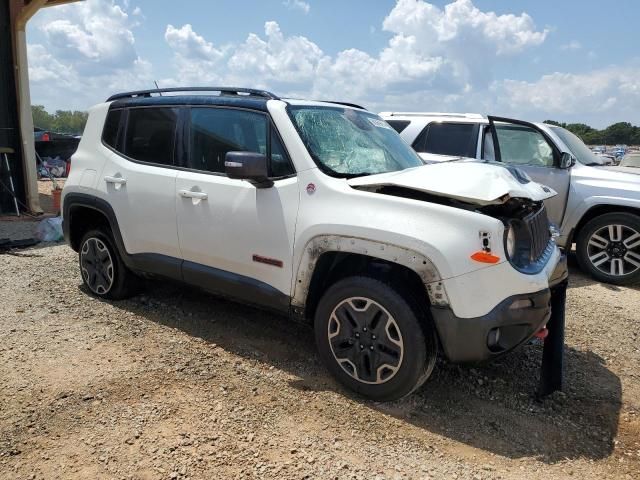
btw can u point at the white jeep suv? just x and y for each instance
(320, 211)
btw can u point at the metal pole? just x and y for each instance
(13, 190)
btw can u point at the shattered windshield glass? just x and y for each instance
(350, 143)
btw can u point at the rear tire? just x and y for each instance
(608, 248)
(374, 340)
(102, 270)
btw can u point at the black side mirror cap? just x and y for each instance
(250, 166)
(567, 160)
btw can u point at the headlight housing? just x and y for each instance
(517, 243)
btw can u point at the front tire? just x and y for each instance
(374, 340)
(608, 248)
(102, 269)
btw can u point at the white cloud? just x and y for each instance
(572, 45)
(88, 52)
(449, 51)
(304, 7)
(600, 96)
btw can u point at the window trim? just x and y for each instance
(424, 133)
(270, 127)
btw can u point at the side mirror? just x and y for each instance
(567, 160)
(249, 166)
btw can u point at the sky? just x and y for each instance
(564, 60)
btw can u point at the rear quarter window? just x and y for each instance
(111, 127)
(398, 125)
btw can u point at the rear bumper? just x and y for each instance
(507, 326)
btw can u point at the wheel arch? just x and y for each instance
(329, 258)
(596, 211)
(82, 212)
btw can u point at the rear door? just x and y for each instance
(527, 147)
(138, 181)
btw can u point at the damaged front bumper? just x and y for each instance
(510, 324)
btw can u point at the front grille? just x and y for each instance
(539, 232)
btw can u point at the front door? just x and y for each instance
(525, 146)
(236, 239)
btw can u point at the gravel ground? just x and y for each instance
(177, 384)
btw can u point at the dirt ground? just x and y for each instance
(178, 384)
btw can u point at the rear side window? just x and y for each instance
(150, 135)
(111, 126)
(455, 139)
(398, 125)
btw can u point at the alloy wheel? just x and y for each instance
(96, 265)
(615, 250)
(365, 340)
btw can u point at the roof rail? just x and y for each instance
(231, 91)
(346, 104)
(433, 114)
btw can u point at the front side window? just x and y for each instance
(522, 145)
(217, 131)
(150, 135)
(455, 139)
(349, 143)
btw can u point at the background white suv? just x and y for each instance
(319, 211)
(597, 207)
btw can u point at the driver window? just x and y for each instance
(519, 145)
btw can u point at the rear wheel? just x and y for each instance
(374, 340)
(608, 248)
(102, 269)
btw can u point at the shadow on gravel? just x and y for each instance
(489, 407)
(580, 279)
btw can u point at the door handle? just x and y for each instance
(192, 194)
(115, 180)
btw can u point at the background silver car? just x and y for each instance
(597, 207)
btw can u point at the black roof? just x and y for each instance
(252, 103)
(226, 96)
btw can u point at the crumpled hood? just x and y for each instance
(471, 181)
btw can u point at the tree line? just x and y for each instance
(621, 133)
(73, 122)
(62, 121)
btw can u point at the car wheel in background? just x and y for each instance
(608, 248)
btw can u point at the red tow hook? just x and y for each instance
(542, 333)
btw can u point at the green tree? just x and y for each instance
(41, 118)
(63, 121)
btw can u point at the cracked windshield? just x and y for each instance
(351, 143)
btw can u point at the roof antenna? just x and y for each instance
(156, 82)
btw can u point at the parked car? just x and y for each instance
(606, 158)
(598, 208)
(54, 145)
(631, 160)
(319, 211)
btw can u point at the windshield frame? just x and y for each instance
(340, 108)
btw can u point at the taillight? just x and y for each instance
(45, 137)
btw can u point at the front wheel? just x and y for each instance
(374, 340)
(608, 248)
